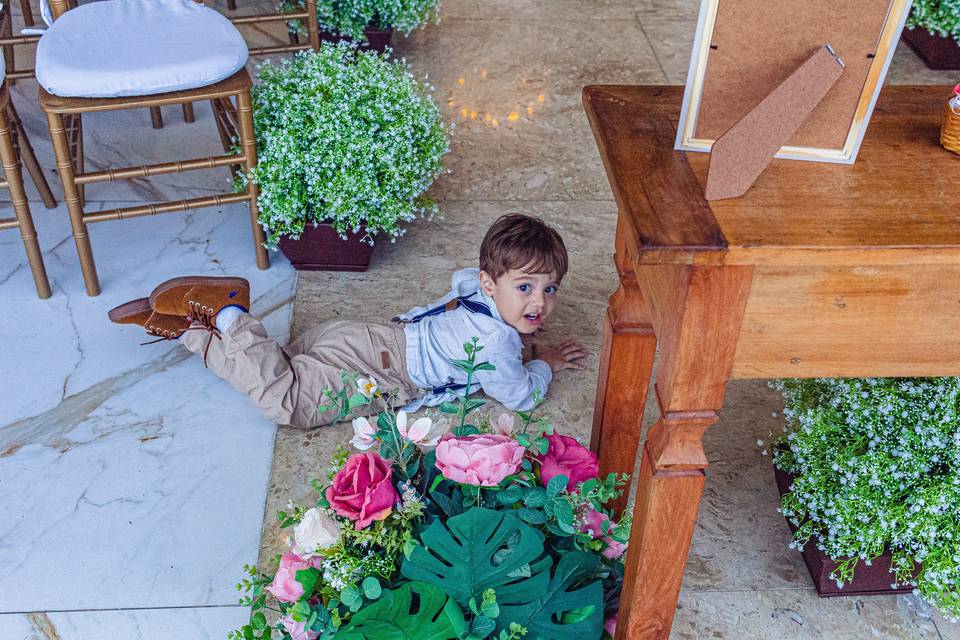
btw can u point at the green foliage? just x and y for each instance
(488, 550)
(562, 611)
(432, 615)
(350, 17)
(940, 17)
(877, 466)
(345, 137)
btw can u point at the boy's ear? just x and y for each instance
(488, 284)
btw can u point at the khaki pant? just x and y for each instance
(287, 383)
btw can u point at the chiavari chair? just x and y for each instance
(125, 54)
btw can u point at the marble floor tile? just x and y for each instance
(193, 623)
(129, 475)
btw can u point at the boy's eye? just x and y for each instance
(552, 290)
(524, 288)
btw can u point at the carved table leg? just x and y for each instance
(697, 313)
(629, 345)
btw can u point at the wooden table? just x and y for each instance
(820, 270)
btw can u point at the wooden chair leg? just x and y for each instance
(71, 196)
(232, 5)
(74, 127)
(156, 118)
(25, 150)
(6, 31)
(313, 28)
(27, 12)
(188, 115)
(18, 198)
(249, 145)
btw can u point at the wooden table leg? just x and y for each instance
(629, 346)
(697, 312)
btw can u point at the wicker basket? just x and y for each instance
(950, 131)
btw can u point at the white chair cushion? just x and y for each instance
(3, 68)
(136, 48)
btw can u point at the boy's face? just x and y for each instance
(524, 300)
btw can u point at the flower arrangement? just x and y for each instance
(345, 137)
(493, 528)
(349, 18)
(876, 466)
(939, 17)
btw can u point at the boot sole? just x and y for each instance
(126, 313)
(156, 296)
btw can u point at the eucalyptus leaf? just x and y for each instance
(371, 588)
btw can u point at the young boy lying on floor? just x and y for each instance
(522, 261)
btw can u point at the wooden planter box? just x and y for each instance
(936, 51)
(321, 249)
(377, 39)
(867, 580)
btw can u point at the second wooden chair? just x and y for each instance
(124, 54)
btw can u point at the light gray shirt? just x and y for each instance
(435, 341)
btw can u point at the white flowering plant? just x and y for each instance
(939, 17)
(346, 137)
(455, 526)
(349, 18)
(876, 468)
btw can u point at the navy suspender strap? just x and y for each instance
(472, 306)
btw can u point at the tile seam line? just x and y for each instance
(103, 609)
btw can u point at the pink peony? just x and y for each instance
(483, 459)
(567, 457)
(285, 587)
(297, 630)
(614, 549)
(363, 491)
(610, 625)
(593, 524)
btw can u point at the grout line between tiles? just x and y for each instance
(636, 18)
(102, 609)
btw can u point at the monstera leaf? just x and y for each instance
(478, 550)
(436, 616)
(560, 612)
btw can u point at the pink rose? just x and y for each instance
(483, 459)
(363, 491)
(297, 630)
(610, 626)
(567, 457)
(285, 587)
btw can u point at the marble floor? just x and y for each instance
(134, 485)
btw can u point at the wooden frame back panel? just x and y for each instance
(746, 48)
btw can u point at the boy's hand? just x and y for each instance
(566, 355)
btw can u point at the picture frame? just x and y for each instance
(743, 49)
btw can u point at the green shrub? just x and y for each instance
(345, 137)
(350, 17)
(940, 17)
(877, 465)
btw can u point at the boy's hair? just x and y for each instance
(516, 241)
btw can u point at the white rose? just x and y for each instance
(316, 531)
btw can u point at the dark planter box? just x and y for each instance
(377, 39)
(936, 51)
(321, 249)
(867, 580)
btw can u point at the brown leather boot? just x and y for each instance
(200, 297)
(140, 312)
